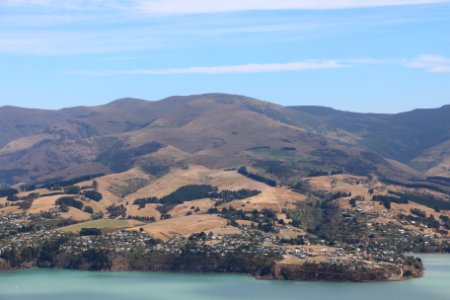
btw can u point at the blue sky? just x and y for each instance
(358, 55)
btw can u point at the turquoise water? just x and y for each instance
(56, 284)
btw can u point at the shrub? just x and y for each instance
(6, 192)
(143, 201)
(89, 210)
(116, 211)
(69, 201)
(72, 190)
(93, 195)
(90, 231)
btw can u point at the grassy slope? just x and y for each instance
(213, 130)
(100, 224)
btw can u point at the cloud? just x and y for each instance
(180, 7)
(430, 63)
(246, 68)
(72, 27)
(25, 2)
(167, 7)
(69, 4)
(75, 42)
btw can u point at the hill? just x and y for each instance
(216, 131)
(404, 137)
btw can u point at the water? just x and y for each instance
(58, 284)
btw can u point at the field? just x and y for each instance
(124, 188)
(191, 216)
(106, 224)
(201, 205)
(187, 225)
(360, 186)
(270, 197)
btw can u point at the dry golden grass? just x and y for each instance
(185, 226)
(101, 224)
(75, 214)
(39, 205)
(356, 185)
(111, 186)
(181, 177)
(442, 169)
(359, 186)
(10, 210)
(182, 209)
(122, 184)
(148, 211)
(195, 174)
(3, 200)
(44, 204)
(270, 197)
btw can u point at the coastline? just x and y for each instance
(368, 272)
(48, 284)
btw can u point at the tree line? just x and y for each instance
(195, 192)
(270, 182)
(403, 198)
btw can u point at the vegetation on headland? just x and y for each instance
(411, 267)
(90, 252)
(97, 250)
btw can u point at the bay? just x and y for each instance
(40, 284)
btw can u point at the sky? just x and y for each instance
(382, 56)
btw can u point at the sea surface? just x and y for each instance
(68, 285)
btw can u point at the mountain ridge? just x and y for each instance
(219, 130)
(184, 97)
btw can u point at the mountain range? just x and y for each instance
(223, 131)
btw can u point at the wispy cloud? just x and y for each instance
(70, 4)
(76, 42)
(246, 68)
(80, 27)
(177, 7)
(25, 2)
(220, 6)
(430, 63)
